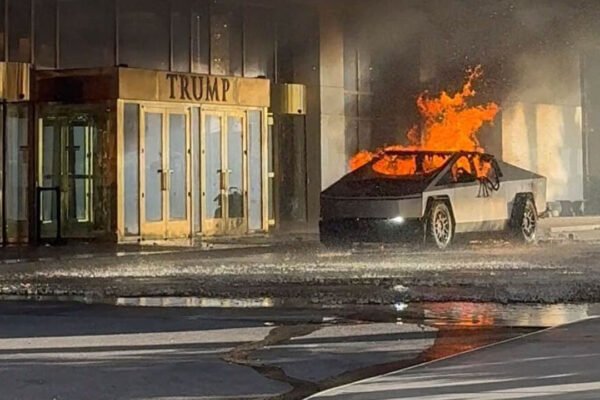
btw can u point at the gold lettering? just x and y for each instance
(198, 87)
(185, 94)
(212, 91)
(172, 78)
(226, 87)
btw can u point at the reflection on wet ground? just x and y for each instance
(381, 338)
(462, 327)
(501, 315)
(437, 314)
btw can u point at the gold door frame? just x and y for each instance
(224, 225)
(165, 228)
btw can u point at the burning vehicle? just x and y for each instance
(433, 195)
(440, 184)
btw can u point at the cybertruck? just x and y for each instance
(431, 196)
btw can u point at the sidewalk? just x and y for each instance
(550, 229)
(558, 363)
(78, 249)
(570, 228)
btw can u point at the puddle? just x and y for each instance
(201, 302)
(493, 314)
(460, 314)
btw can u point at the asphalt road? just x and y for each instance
(561, 363)
(67, 351)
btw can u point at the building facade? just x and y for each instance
(156, 119)
(127, 120)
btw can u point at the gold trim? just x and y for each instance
(138, 84)
(15, 81)
(120, 170)
(225, 225)
(165, 228)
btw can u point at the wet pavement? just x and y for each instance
(559, 363)
(73, 350)
(305, 273)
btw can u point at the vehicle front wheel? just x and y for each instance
(440, 225)
(524, 224)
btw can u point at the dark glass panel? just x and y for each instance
(298, 46)
(2, 29)
(200, 37)
(226, 39)
(86, 33)
(180, 42)
(45, 33)
(144, 33)
(19, 30)
(258, 42)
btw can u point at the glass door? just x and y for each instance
(79, 150)
(67, 152)
(164, 170)
(16, 173)
(224, 166)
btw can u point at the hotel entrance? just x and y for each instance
(134, 155)
(165, 195)
(192, 155)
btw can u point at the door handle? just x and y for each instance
(64, 184)
(164, 180)
(222, 175)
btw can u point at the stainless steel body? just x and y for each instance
(366, 199)
(383, 208)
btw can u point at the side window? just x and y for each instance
(463, 171)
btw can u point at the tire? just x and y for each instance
(440, 225)
(524, 220)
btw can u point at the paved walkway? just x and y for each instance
(558, 363)
(562, 228)
(79, 249)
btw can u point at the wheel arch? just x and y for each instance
(433, 199)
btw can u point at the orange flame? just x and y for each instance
(448, 124)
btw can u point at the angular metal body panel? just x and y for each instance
(361, 198)
(384, 208)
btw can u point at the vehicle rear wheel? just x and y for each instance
(524, 224)
(440, 225)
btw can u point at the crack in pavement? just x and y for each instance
(240, 355)
(449, 340)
